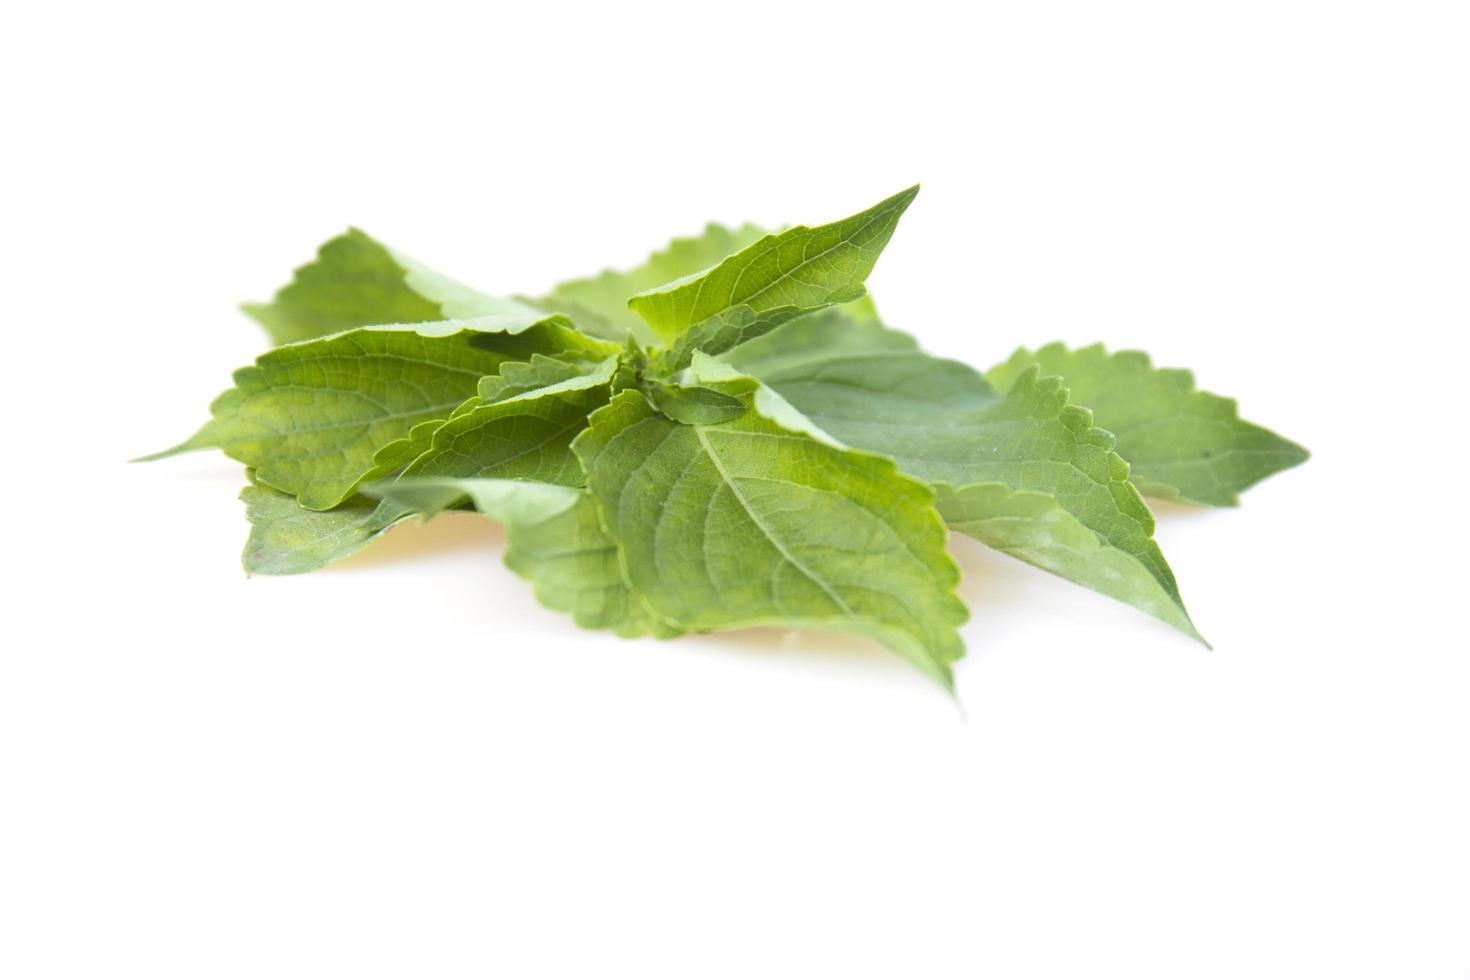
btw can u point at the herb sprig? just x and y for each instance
(727, 436)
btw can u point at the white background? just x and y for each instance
(402, 767)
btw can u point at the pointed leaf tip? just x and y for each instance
(794, 272)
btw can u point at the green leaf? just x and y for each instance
(527, 436)
(524, 437)
(576, 569)
(841, 365)
(356, 281)
(319, 418)
(287, 539)
(1037, 528)
(554, 540)
(514, 378)
(774, 280)
(1025, 472)
(505, 501)
(599, 304)
(694, 405)
(518, 377)
(715, 372)
(1182, 444)
(400, 452)
(724, 332)
(745, 523)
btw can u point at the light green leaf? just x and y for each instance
(319, 418)
(527, 436)
(576, 569)
(1036, 528)
(518, 377)
(599, 304)
(553, 539)
(990, 456)
(287, 539)
(524, 437)
(400, 452)
(356, 281)
(850, 372)
(1182, 444)
(774, 280)
(505, 501)
(712, 371)
(741, 326)
(692, 404)
(745, 524)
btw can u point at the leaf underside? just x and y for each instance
(287, 539)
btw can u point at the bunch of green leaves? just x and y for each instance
(726, 436)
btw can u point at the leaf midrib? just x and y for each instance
(730, 301)
(805, 260)
(798, 564)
